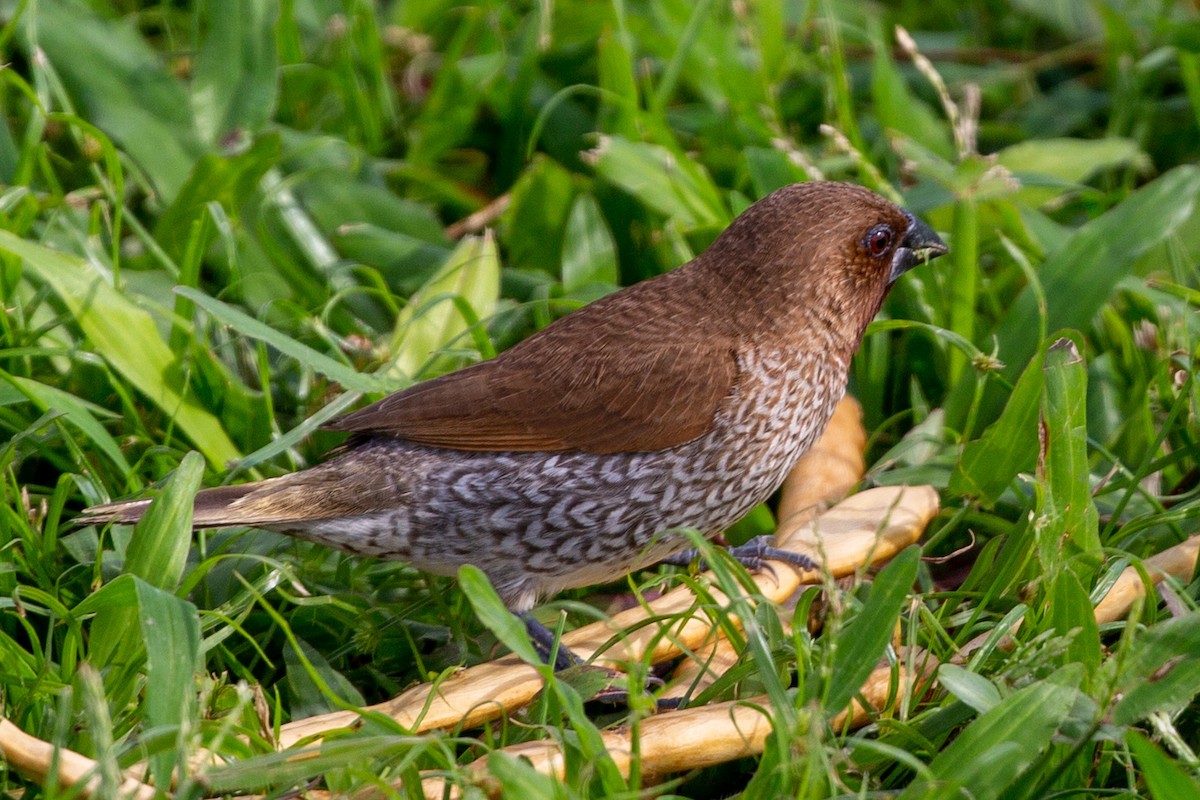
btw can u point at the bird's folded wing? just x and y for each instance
(585, 384)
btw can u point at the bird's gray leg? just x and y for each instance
(750, 555)
(547, 645)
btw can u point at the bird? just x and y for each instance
(577, 456)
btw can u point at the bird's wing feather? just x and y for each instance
(597, 381)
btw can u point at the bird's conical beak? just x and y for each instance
(920, 245)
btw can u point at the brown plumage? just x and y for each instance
(681, 401)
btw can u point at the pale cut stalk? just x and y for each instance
(35, 759)
(1178, 562)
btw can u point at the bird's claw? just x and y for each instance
(752, 555)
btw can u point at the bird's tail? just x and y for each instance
(212, 509)
(323, 492)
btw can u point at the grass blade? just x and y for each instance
(319, 362)
(1067, 523)
(862, 641)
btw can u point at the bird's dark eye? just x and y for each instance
(878, 241)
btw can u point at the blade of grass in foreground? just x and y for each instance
(1068, 525)
(249, 326)
(156, 554)
(862, 641)
(170, 629)
(1080, 277)
(78, 412)
(1165, 779)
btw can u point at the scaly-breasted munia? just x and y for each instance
(679, 402)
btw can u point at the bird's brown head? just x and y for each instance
(829, 251)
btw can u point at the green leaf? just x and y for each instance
(1066, 522)
(1071, 614)
(306, 694)
(585, 753)
(771, 169)
(225, 179)
(988, 758)
(955, 340)
(671, 184)
(405, 261)
(338, 198)
(77, 411)
(862, 642)
(619, 85)
(434, 317)
(589, 255)
(1008, 446)
(111, 321)
(1081, 276)
(970, 687)
(167, 643)
(248, 326)
(1071, 161)
(770, 31)
(1075, 20)
(156, 555)
(1165, 778)
(120, 592)
(1160, 672)
(516, 777)
(536, 219)
(161, 540)
(170, 632)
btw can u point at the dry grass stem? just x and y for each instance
(1178, 562)
(474, 223)
(37, 761)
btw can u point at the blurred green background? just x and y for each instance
(222, 223)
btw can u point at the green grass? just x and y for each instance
(222, 225)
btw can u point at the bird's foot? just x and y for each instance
(615, 691)
(751, 555)
(611, 689)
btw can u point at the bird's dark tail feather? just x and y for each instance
(210, 511)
